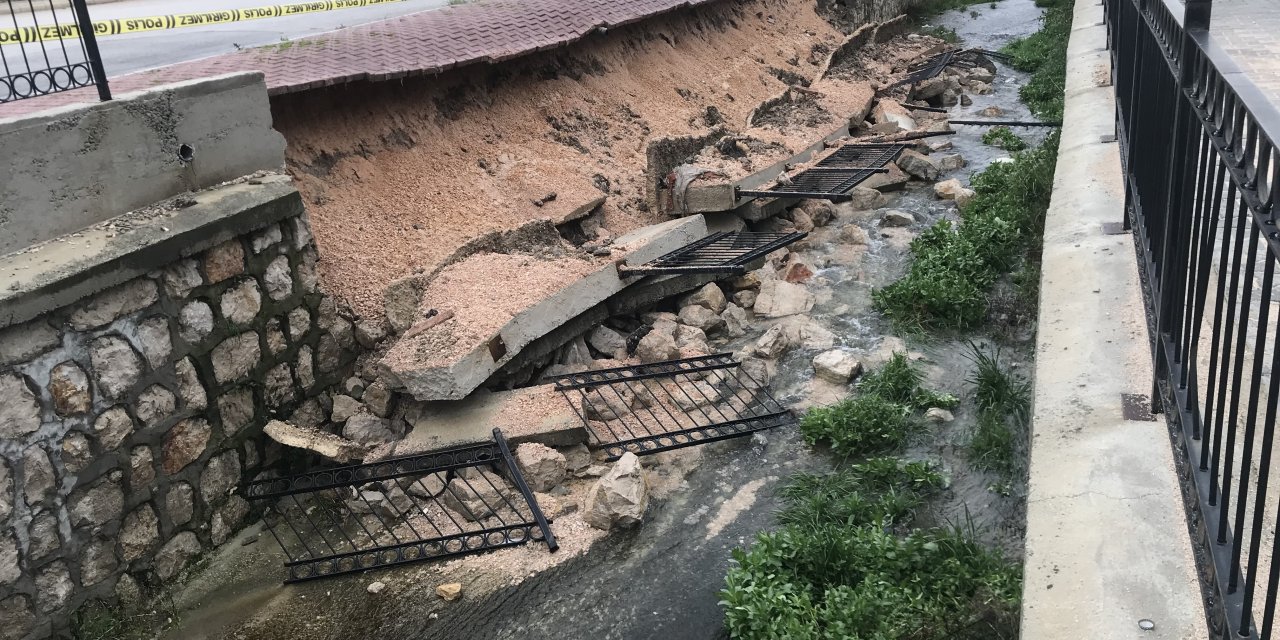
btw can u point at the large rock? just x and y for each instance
(175, 554)
(608, 342)
(774, 342)
(701, 317)
(709, 296)
(475, 493)
(918, 165)
(190, 389)
(241, 303)
(606, 404)
(378, 398)
(154, 341)
(220, 476)
(326, 444)
(69, 388)
(778, 299)
(115, 364)
(863, 198)
(155, 403)
(236, 407)
(853, 234)
(895, 180)
(543, 468)
(951, 162)
(38, 476)
(736, 320)
(183, 444)
(745, 298)
(836, 366)
(114, 303)
(112, 427)
(97, 504)
(896, 218)
(195, 321)
(656, 346)
(20, 411)
(620, 498)
(890, 111)
(368, 430)
(179, 503)
(235, 357)
(139, 532)
(25, 341)
(344, 407)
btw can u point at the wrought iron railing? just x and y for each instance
(48, 46)
(1197, 145)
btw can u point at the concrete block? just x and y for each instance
(534, 414)
(73, 167)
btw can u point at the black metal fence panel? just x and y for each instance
(1197, 148)
(408, 509)
(833, 177)
(48, 46)
(672, 404)
(723, 252)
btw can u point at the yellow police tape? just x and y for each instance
(180, 20)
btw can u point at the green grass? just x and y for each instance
(1044, 54)
(1004, 410)
(96, 620)
(838, 570)
(860, 426)
(899, 381)
(1003, 138)
(945, 34)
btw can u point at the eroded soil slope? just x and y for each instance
(397, 176)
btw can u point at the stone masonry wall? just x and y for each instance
(128, 419)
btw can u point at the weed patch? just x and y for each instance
(1004, 410)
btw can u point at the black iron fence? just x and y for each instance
(48, 46)
(1197, 143)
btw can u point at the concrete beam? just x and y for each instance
(73, 167)
(1107, 542)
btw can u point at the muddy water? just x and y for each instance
(661, 580)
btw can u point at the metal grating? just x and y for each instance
(668, 405)
(410, 509)
(727, 252)
(833, 176)
(925, 70)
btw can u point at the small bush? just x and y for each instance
(861, 426)
(1003, 138)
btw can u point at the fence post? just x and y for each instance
(91, 48)
(1196, 15)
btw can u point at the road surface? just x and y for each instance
(128, 53)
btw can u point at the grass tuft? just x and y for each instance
(1003, 137)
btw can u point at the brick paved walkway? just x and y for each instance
(420, 43)
(1250, 31)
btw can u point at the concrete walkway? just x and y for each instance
(1107, 542)
(422, 43)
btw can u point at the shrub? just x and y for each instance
(898, 380)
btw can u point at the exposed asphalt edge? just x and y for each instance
(1106, 542)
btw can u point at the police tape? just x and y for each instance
(120, 26)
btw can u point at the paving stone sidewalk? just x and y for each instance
(421, 43)
(1249, 30)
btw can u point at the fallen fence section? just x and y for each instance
(726, 252)
(1006, 123)
(672, 404)
(923, 71)
(835, 175)
(423, 507)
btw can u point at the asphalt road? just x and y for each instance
(135, 52)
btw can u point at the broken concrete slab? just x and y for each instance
(326, 444)
(533, 414)
(453, 358)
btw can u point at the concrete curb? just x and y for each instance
(1107, 542)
